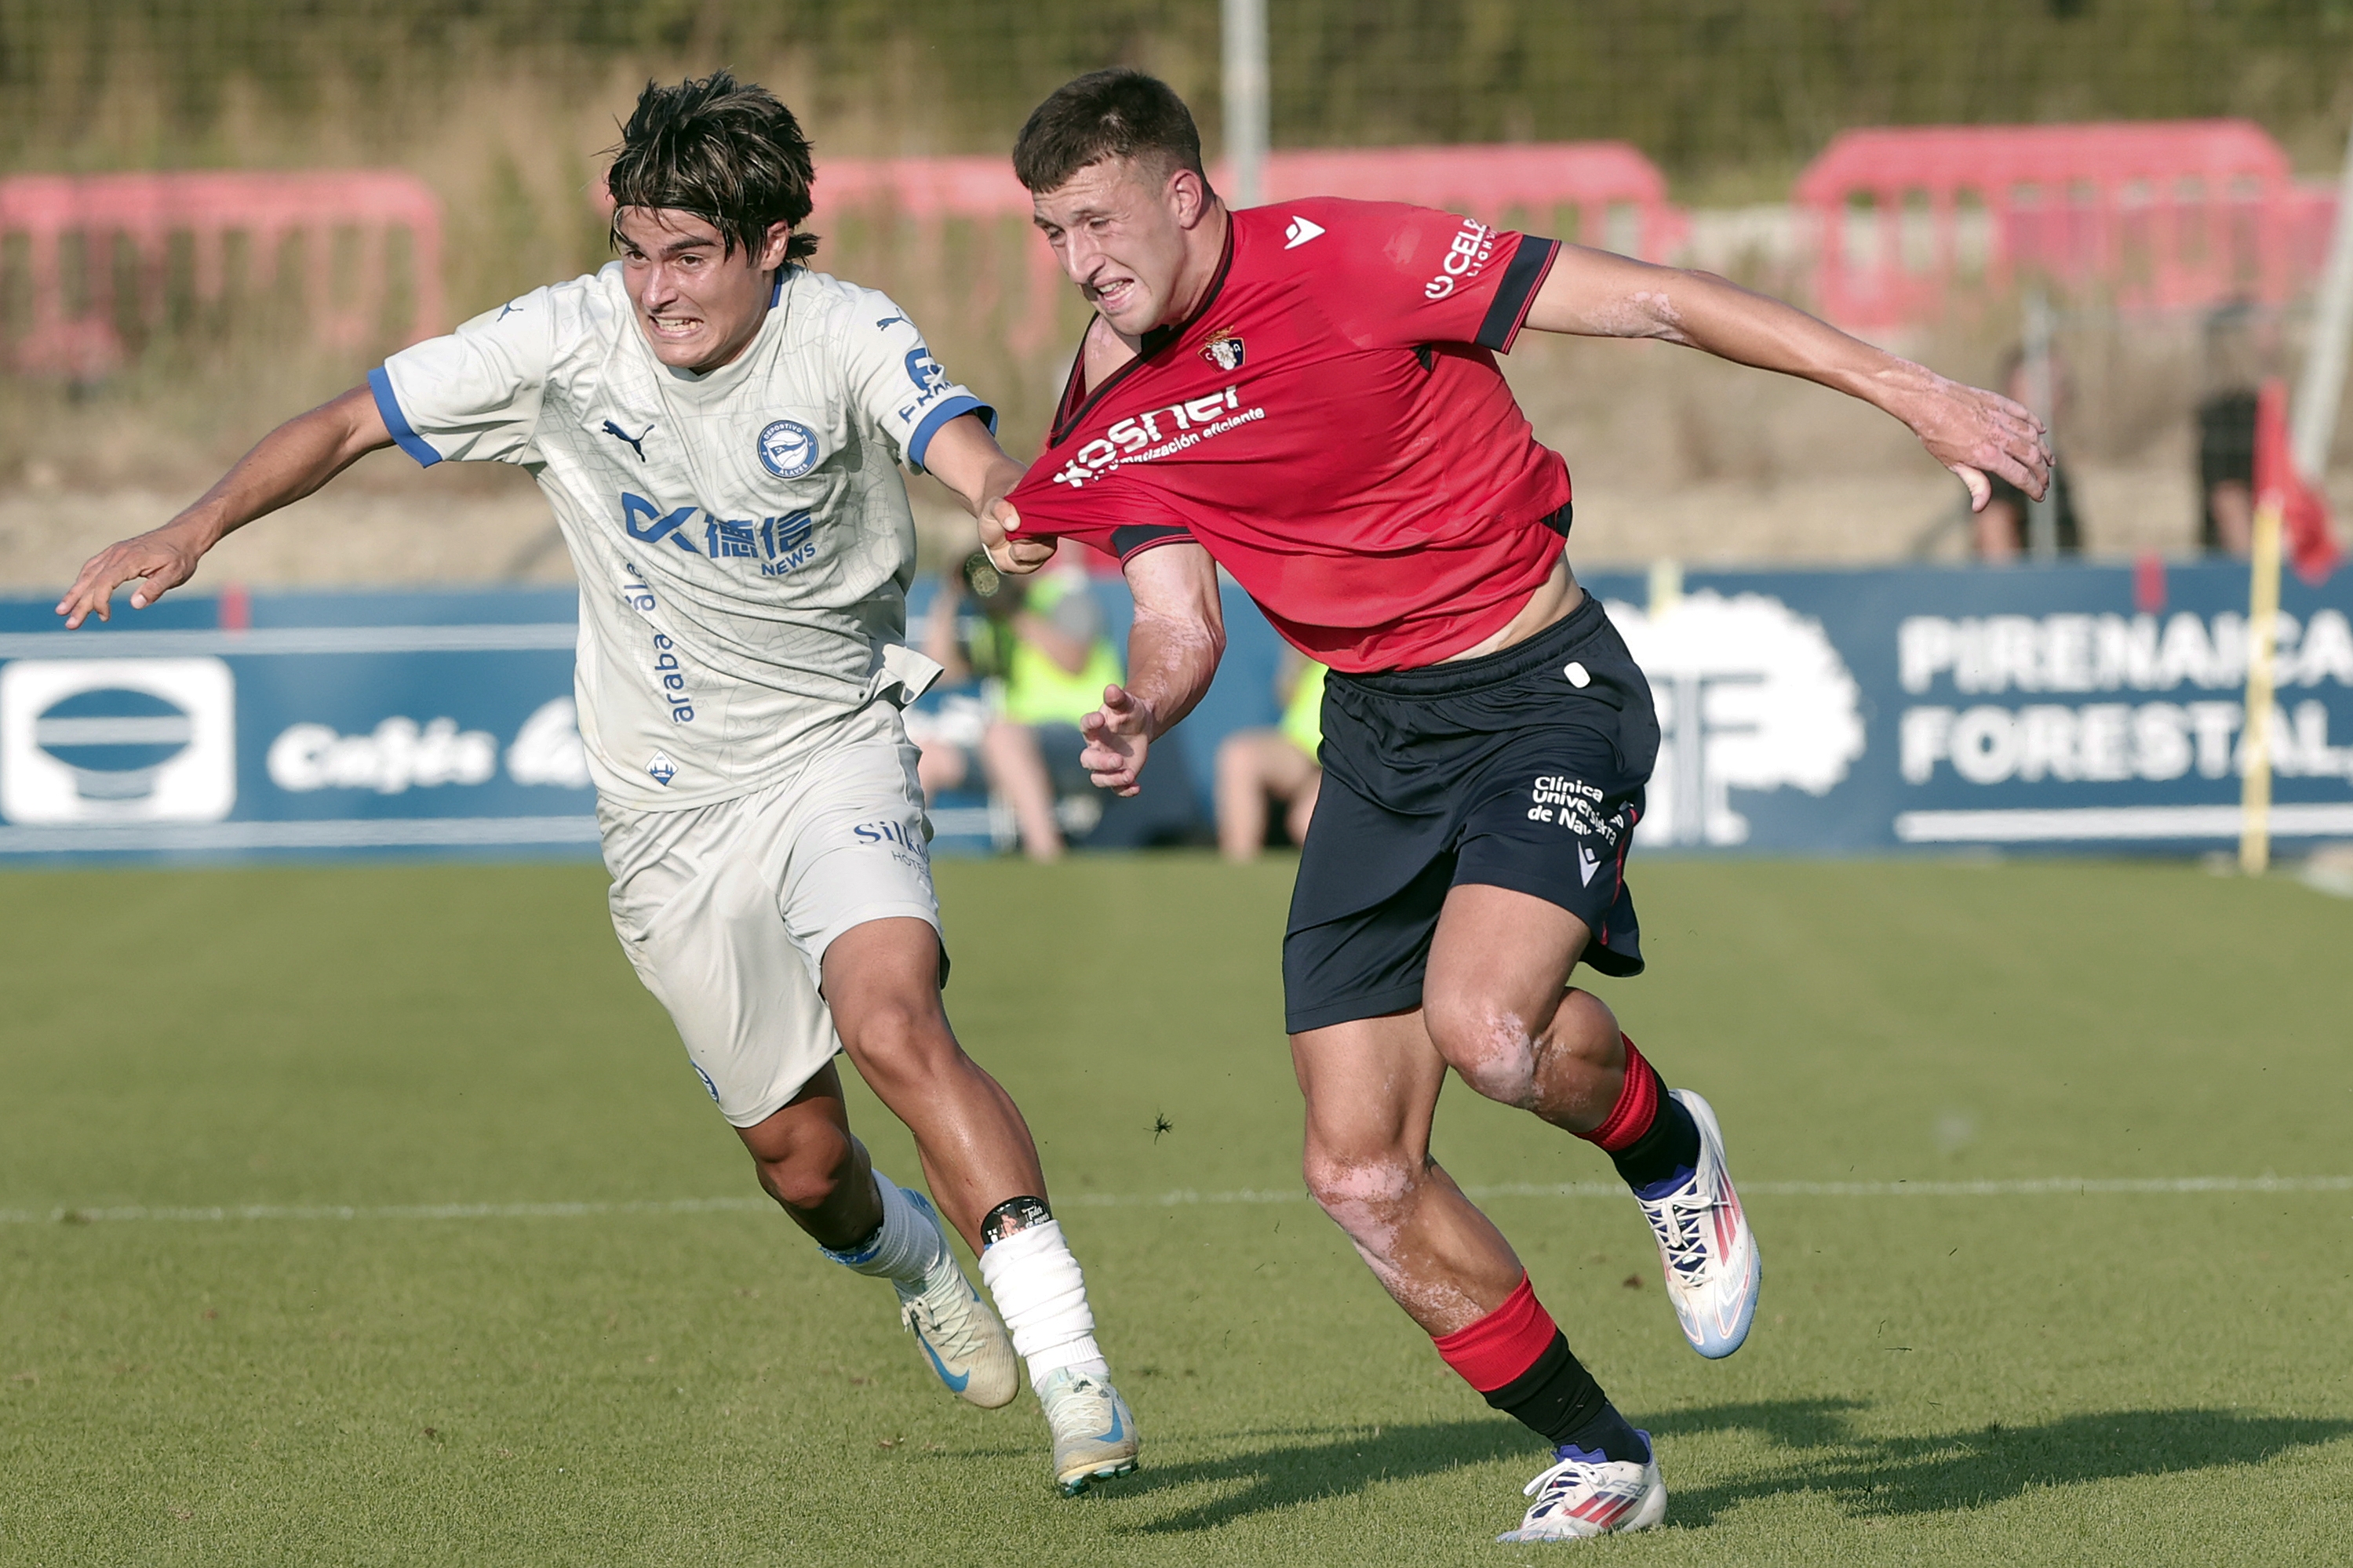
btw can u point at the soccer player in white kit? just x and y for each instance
(719, 431)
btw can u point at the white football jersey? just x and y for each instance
(742, 537)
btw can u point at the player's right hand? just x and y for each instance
(1019, 555)
(158, 560)
(1118, 735)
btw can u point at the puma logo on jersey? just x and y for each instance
(637, 443)
(1299, 232)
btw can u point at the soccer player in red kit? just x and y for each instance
(1306, 393)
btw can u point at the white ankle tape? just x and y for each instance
(907, 1246)
(1042, 1297)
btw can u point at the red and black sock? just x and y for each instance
(1648, 1135)
(1519, 1361)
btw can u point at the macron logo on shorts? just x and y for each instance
(1588, 863)
(1299, 232)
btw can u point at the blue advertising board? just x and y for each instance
(332, 724)
(1831, 711)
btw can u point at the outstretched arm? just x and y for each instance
(1172, 652)
(1972, 432)
(289, 463)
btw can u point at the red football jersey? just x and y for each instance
(1331, 424)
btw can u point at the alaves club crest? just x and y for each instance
(1224, 349)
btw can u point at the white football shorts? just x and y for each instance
(726, 909)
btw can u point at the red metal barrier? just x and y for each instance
(2158, 216)
(73, 310)
(1607, 191)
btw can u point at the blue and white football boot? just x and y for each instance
(1705, 1247)
(1094, 1433)
(960, 1335)
(1585, 1495)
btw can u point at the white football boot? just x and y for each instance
(1580, 1497)
(1705, 1247)
(960, 1335)
(1094, 1433)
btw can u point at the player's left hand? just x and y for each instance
(1117, 735)
(1976, 433)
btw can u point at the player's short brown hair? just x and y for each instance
(1105, 114)
(727, 152)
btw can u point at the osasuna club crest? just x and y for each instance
(1224, 350)
(788, 448)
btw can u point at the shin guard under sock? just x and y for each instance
(1647, 1135)
(1519, 1361)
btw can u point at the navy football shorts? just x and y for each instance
(1521, 769)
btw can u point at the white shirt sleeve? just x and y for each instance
(474, 395)
(894, 379)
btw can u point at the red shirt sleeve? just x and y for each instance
(1404, 276)
(1121, 519)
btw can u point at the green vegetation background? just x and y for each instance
(2128, 1378)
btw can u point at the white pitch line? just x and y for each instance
(2046, 1186)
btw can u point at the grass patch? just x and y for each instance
(2149, 1378)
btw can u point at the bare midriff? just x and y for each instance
(1555, 597)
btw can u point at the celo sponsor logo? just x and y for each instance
(1159, 433)
(117, 739)
(1466, 256)
(399, 755)
(1224, 349)
(1752, 696)
(779, 544)
(547, 749)
(787, 449)
(1298, 232)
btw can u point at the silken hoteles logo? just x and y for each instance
(1751, 695)
(117, 739)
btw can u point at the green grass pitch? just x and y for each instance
(2008, 1376)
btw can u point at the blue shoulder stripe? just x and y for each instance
(921, 441)
(396, 422)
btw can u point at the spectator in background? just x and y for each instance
(2226, 431)
(2004, 530)
(1039, 645)
(2226, 473)
(1255, 766)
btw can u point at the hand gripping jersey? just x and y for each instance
(742, 537)
(1332, 425)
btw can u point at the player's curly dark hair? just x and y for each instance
(727, 152)
(1117, 113)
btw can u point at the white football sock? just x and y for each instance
(904, 1248)
(1042, 1298)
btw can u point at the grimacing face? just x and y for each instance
(698, 305)
(1118, 228)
